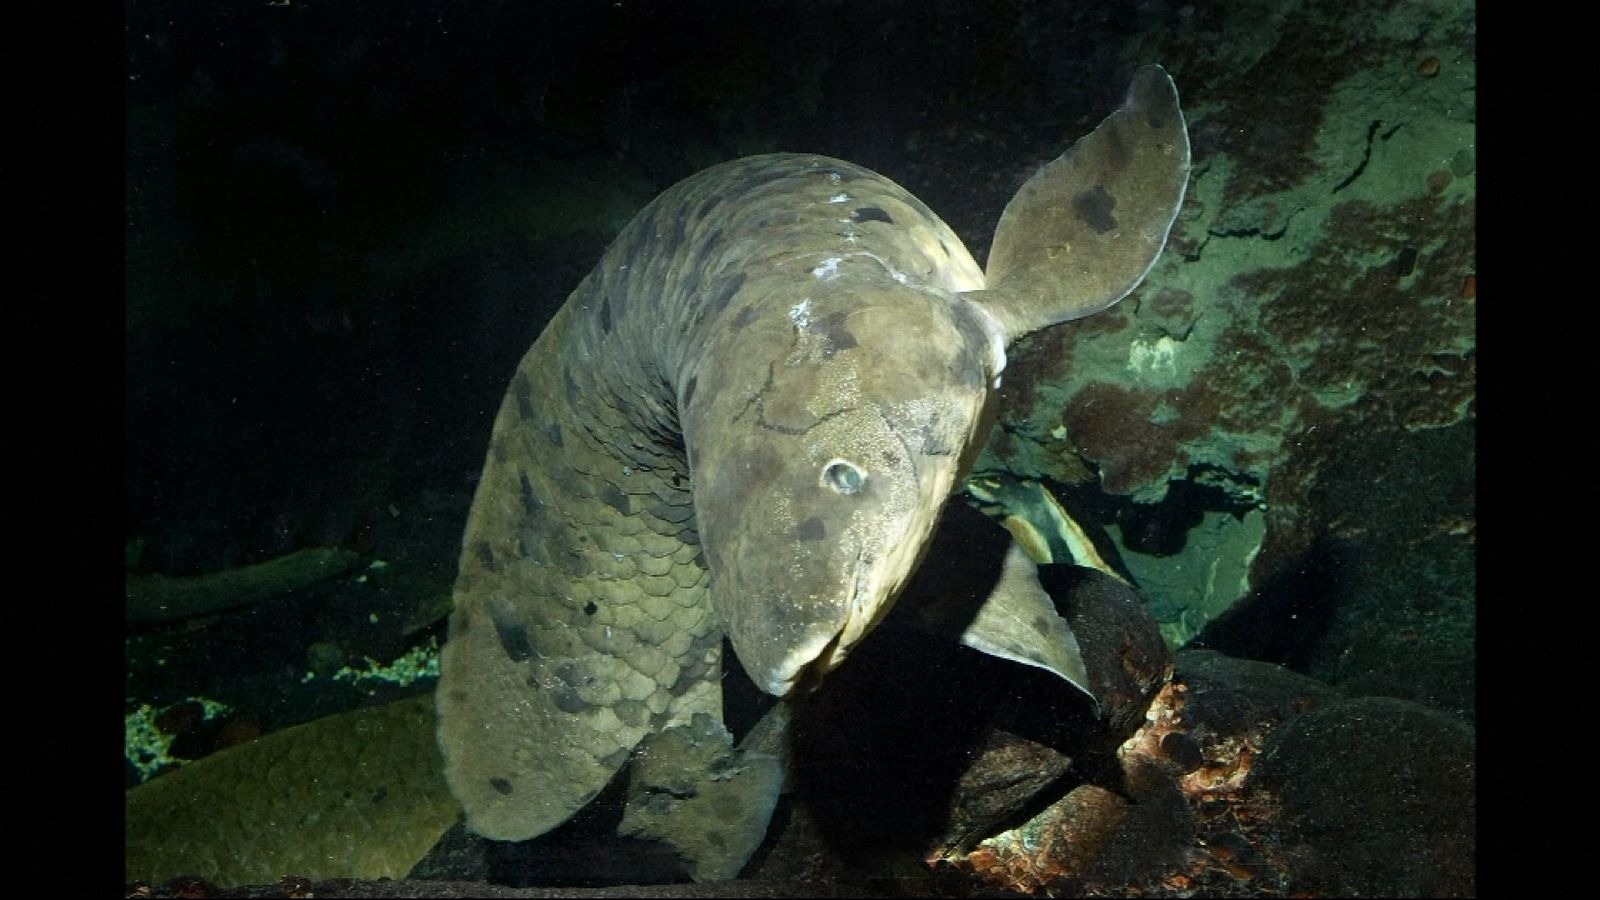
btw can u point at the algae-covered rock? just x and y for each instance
(1378, 799)
(358, 795)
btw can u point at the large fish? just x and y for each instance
(745, 421)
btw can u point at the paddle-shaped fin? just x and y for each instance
(1019, 622)
(1088, 226)
(690, 789)
(997, 609)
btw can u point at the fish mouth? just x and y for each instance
(808, 664)
(804, 677)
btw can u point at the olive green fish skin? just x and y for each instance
(583, 618)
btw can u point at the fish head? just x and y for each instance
(822, 459)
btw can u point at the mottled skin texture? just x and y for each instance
(746, 418)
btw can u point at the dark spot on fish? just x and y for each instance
(616, 499)
(688, 389)
(570, 480)
(540, 533)
(943, 247)
(683, 682)
(524, 394)
(553, 432)
(529, 501)
(1041, 625)
(811, 529)
(605, 315)
(758, 176)
(837, 336)
(674, 513)
(971, 359)
(691, 287)
(484, 554)
(500, 784)
(513, 635)
(724, 292)
(573, 391)
(709, 245)
(590, 609)
(872, 214)
(745, 316)
(707, 205)
(1094, 207)
(571, 676)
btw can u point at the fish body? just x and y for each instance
(745, 421)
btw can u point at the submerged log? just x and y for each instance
(161, 598)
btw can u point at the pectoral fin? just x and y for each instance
(1089, 225)
(981, 589)
(1019, 622)
(690, 789)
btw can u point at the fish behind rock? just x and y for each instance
(746, 420)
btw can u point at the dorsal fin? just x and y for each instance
(1088, 226)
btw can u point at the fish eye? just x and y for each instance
(843, 477)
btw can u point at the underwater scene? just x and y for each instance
(710, 449)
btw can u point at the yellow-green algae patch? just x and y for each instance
(147, 747)
(418, 663)
(358, 795)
